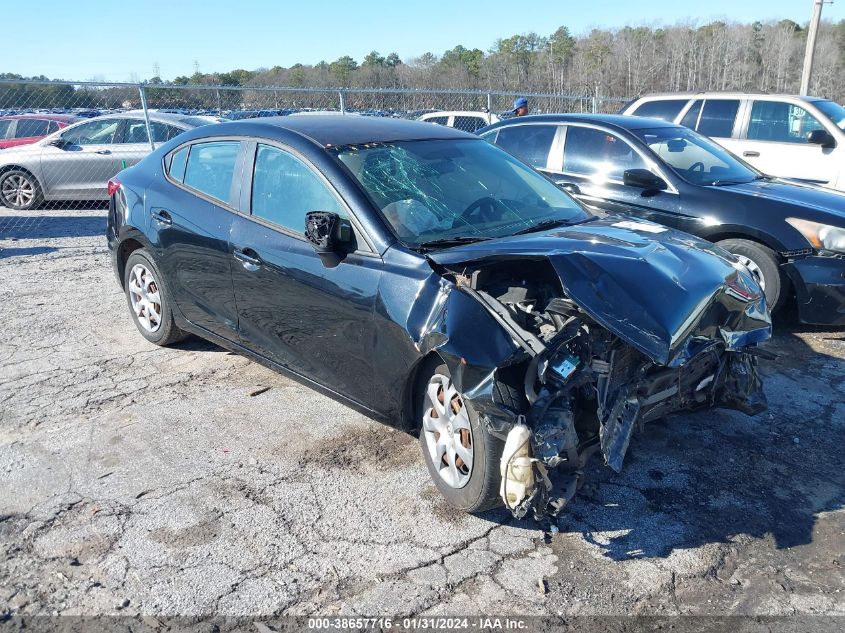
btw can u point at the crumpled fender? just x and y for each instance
(452, 315)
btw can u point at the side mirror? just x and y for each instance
(327, 231)
(59, 142)
(821, 137)
(643, 179)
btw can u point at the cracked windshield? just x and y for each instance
(441, 191)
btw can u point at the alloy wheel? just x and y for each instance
(448, 433)
(17, 191)
(145, 297)
(754, 269)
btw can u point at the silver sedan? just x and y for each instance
(76, 162)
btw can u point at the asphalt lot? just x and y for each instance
(190, 481)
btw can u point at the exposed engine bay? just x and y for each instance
(575, 387)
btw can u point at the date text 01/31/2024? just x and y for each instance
(418, 623)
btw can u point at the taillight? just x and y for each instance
(114, 185)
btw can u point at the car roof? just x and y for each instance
(615, 120)
(736, 95)
(62, 118)
(331, 130)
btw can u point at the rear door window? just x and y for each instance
(27, 128)
(780, 122)
(599, 155)
(211, 167)
(666, 110)
(529, 143)
(718, 117)
(469, 123)
(5, 128)
(440, 120)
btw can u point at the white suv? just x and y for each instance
(468, 121)
(781, 135)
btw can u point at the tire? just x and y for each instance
(477, 489)
(19, 190)
(150, 308)
(763, 265)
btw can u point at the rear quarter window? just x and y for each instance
(667, 110)
(718, 117)
(178, 162)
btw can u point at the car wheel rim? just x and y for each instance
(18, 191)
(447, 432)
(145, 297)
(754, 269)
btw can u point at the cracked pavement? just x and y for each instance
(191, 481)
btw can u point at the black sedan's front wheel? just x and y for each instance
(19, 190)
(761, 262)
(149, 301)
(461, 455)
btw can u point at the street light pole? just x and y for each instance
(810, 51)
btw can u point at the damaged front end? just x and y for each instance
(597, 330)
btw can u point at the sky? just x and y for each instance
(120, 41)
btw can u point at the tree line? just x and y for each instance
(626, 62)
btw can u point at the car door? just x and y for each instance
(190, 214)
(82, 166)
(591, 166)
(775, 142)
(133, 143)
(302, 311)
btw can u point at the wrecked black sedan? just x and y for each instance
(431, 281)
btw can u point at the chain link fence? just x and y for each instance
(61, 142)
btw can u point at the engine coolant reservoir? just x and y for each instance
(516, 467)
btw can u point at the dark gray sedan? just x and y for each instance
(76, 163)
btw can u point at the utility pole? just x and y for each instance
(810, 52)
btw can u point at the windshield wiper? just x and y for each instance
(456, 240)
(725, 183)
(550, 224)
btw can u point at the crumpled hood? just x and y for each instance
(662, 291)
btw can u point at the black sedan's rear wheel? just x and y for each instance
(19, 190)
(461, 455)
(149, 300)
(761, 261)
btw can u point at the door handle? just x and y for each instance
(162, 217)
(248, 257)
(571, 187)
(751, 154)
(104, 152)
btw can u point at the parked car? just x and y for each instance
(790, 234)
(76, 163)
(468, 121)
(781, 135)
(430, 280)
(25, 129)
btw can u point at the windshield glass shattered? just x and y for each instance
(455, 190)
(696, 159)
